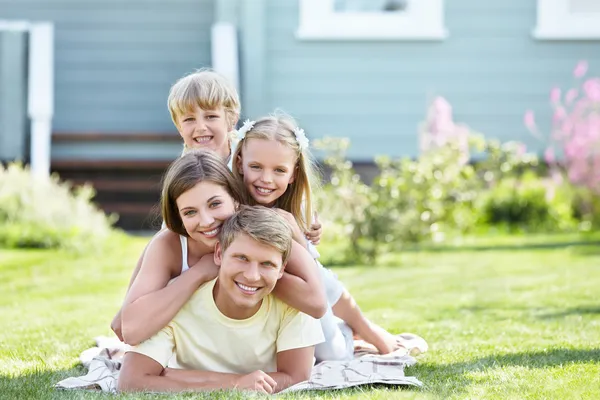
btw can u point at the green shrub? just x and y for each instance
(527, 204)
(46, 213)
(342, 201)
(461, 183)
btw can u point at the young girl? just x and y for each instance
(185, 250)
(273, 163)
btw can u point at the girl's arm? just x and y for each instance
(151, 303)
(300, 286)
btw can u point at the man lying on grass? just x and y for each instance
(233, 333)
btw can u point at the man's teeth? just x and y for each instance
(263, 190)
(247, 288)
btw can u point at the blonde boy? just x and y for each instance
(232, 333)
(205, 107)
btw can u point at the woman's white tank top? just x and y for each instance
(184, 254)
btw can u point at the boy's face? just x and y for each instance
(203, 209)
(268, 167)
(205, 129)
(249, 271)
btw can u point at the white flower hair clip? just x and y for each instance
(301, 138)
(248, 125)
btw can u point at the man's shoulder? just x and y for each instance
(199, 302)
(280, 310)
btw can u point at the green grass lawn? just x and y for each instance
(516, 320)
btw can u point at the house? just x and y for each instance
(342, 67)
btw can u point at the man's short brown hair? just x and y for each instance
(261, 224)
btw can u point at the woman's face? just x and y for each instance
(203, 209)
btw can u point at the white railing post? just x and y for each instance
(40, 103)
(224, 51)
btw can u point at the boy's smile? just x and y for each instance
(206, 129)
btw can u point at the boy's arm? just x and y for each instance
(300, 286)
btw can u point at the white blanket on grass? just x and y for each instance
(104, 361)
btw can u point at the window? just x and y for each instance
(568, 19)
(372, 20)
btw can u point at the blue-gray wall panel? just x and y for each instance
(116, 59)
(490, 68)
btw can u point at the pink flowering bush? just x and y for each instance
(430, 198)
(573, 144)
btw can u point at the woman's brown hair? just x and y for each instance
(198, 165)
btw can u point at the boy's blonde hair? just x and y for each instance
(197, 165)
(261, 224)
(297, 199)
(205, 89)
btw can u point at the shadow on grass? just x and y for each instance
(447, 379)
(40, 385)
(582, 247)
(587, 250)
(585, 310)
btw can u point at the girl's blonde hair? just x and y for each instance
(198, 165)
(297, 199)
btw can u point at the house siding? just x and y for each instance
(490, 69)
(115, 60)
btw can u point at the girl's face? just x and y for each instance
(203, 209)
(206, 129)
(268, 167)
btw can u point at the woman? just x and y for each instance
(184, 251)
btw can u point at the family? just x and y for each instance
(230, 293)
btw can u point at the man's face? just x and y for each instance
(249, 271)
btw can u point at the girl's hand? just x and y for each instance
(296, 231)
(316, 230)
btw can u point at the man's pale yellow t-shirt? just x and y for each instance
(201, 338)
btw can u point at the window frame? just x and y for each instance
(555, 22)
(424, 20)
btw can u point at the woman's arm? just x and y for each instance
(151, 303)
(300, 286)
(116, 325)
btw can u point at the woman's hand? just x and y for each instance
(206, 267)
